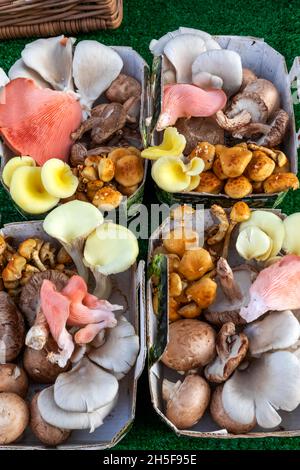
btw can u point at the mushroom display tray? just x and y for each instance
(157, 339)
(266, 63)
(129, 291)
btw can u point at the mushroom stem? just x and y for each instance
(228, 284)
(38, 334)
(169, 388)
(224, 340)
(75, 250)
(235, 123)
(103, 285)
(225, 250)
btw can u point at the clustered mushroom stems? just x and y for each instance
(31, 256)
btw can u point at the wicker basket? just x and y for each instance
(25, 18)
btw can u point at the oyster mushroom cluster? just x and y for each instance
(237, 358)
(49, 88)
(55, 332)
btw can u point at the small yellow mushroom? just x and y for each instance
(203, 292)
(175, 285)
(195, 263)
(190, 310)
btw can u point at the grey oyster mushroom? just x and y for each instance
(231, 349)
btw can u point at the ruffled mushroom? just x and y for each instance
(278, 330)
(103, 65)
(231, 349)
(269, 384)
(71, 223)
(19, 69)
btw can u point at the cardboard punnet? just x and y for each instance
(128, 291)
(157, 339)
(266, 63)
(135, 66)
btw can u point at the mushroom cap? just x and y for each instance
(195, 263)
(203, 292)
(209, 183)
(219, 63)
(270, 383)
(188, 401)
(14, 417)
(30, 293)
(281, 182)
(37, 365)
(220, 416)
(179, 240)
(119, 352)
(191, 345)
(85, 388)
(238, 188)
(56, 416)
(111, 249)
(248, 77)
(13, 379)
(278, 330)
(260, 167)
(291, 243)
(107, 198)
(72, 220)
(47, 434)
(197, 129)
(240, 212)
(234, 160)
(12, 328)
(129, 170)
(231, 350)
(277, 130)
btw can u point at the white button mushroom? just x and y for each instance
(119, 352)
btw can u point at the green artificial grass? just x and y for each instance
(278, 22)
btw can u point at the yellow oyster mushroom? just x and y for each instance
(173, 175)
(195, 181)
(12, 165)
(172, 146)
(28, 192)
(58, 178)
(253, 243)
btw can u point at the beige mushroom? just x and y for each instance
(180, 240)
(195, 263)
(187, 401)
(14, 417)
(191, 345)
(13, 379)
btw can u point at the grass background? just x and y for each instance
(278, 22)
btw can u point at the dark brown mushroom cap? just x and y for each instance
(220, 416)
(12, 328)
(231, 350)
(38, 367)
(197, 129)
(277, 130)
(191, 345)
(49, 435)
(30, 294)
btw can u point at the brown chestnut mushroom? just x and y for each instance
(30, 294)
(209, 183)
(14, 417)
(238, 188)
(191, 345)
(231, 349)
(37, 365)
(187, 401)
(220, 416)
(46, 433)
(13, 379)
(12, 328)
